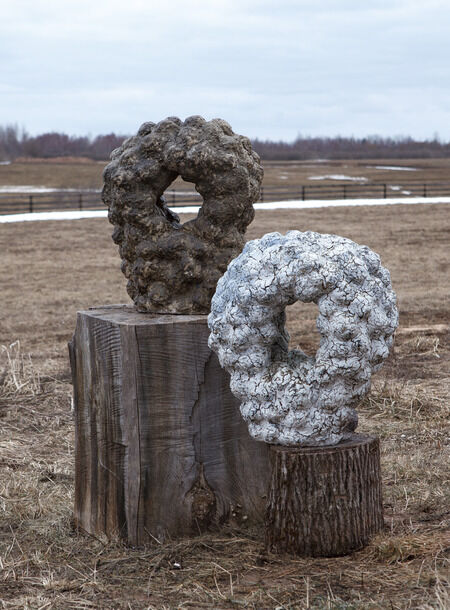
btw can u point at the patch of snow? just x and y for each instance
(339, 177)
(336, 203)
(406, 192)
(5, 162)
(42, 189)
(168, 193)
(187, 209)
(395, 188)
(400, 168)
(75, 215)
(193, 209)
(283, 177)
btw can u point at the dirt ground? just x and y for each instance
(52, 269)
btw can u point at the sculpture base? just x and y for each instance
(324, 501)
(160, 446)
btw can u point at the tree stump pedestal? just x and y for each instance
(161, 449)
(324, 501)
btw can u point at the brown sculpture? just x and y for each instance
(174, 268)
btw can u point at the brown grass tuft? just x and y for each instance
(18, 374)
(409, 546)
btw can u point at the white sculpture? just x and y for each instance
(287, 397)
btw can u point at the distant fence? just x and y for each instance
(365, 190)
(14, 203)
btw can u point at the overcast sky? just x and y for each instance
(273, 69)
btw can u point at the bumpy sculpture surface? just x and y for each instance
(287, 397)
(174, 268)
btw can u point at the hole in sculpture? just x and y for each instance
(181, 193)
(301, 326)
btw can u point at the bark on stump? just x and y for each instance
(324, 501)
(160, 446)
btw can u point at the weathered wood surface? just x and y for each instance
(324, 501)
(160, 446)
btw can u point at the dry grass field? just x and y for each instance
(84, 173)
(52, 269)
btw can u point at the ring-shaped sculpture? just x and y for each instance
(287, 397)
(174, 268)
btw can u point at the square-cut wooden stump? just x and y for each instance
(160, 446)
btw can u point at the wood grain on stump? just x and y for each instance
(324, 501)
(160, 446)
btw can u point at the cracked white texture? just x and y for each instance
(287, 397)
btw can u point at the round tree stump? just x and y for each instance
(324, 501)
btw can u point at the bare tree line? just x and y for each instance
(16, 143)
(371, 147)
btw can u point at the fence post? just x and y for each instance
(345, 191)
(80, 201)
(173, 197)
(384, 191)
(424, 190)
(303, 192)
(261, 198)
(31, 203)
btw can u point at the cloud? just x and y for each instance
(271, 69)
